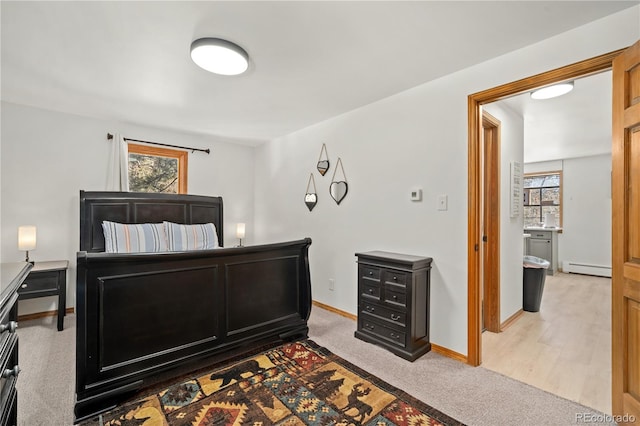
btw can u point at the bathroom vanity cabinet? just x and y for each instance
(544, 244)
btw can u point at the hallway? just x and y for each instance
(565, 348)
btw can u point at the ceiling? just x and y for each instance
(577, 124)
(310, 61)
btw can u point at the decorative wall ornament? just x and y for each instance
(323, 165)
(311, 198)
(338, 189)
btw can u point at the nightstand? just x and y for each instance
(47, 279)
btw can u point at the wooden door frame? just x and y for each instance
(474, 110)
(491, 210)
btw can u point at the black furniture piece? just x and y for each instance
(11, 277)
(393, 302)
(47, 279)
(150, 317)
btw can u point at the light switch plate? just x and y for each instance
(442, 202)
(416, 194)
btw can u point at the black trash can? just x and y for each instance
(534, 273)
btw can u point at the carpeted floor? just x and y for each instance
(474, 396)
(298, 383)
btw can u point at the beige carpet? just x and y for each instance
(474, 396)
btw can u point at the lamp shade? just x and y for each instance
(219, 56)
(26, 237)
(240, 228)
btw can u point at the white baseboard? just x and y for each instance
(585, 268)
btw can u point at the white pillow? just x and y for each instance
(191, 237)
(134, 238)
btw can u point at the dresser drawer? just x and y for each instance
(9, 403)
(546, 235)
(393, 316)
(378, 329)
(367, 272)
(395, 277)
(39, 282)
(395, 295)
(370, 290)
(8, 365)
(8, 329)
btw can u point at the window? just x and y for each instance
(542, 195)
(153, 169)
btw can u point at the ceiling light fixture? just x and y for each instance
(219, 56)
(552, 91)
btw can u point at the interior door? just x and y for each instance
(626, 237)
(491, 223)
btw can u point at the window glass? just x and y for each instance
(543, 195)
(533, 181)
(154, 169)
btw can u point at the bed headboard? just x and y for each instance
(142, 207)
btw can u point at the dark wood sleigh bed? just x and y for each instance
(147, 317)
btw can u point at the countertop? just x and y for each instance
(542, 228)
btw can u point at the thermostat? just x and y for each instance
(416, 194)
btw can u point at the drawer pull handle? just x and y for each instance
(12, 326)
(395, 336)
(370, 291)
(369, 326)
(370, 272)
(394, 297)
(11, 372)
(370, 308)
(395, 317)
(24, 285)
(395, 278)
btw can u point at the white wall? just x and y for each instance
(415, 138)
(511, 246)
(48, 157)
(1, 238)
(586, 207)
(586, 211)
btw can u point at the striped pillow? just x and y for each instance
(191, 237)
(134, 238)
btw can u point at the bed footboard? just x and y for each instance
(142, 317)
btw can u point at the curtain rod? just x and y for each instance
(208, 151)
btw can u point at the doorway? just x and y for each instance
(475, 179)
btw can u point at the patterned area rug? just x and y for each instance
(298, 383)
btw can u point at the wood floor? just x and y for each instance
(565, 348)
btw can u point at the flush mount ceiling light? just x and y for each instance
(552, 91)
(219, 56)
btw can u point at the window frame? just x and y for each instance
(526, 195)
(181, 156)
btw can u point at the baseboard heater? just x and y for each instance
(585, 268)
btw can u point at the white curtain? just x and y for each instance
(118, 172)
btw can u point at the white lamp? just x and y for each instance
(240, 230)
(219, 56)
(27, 239)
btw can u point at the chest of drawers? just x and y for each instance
(393, 302)
(11, 277)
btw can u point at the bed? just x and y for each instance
(143, 318)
